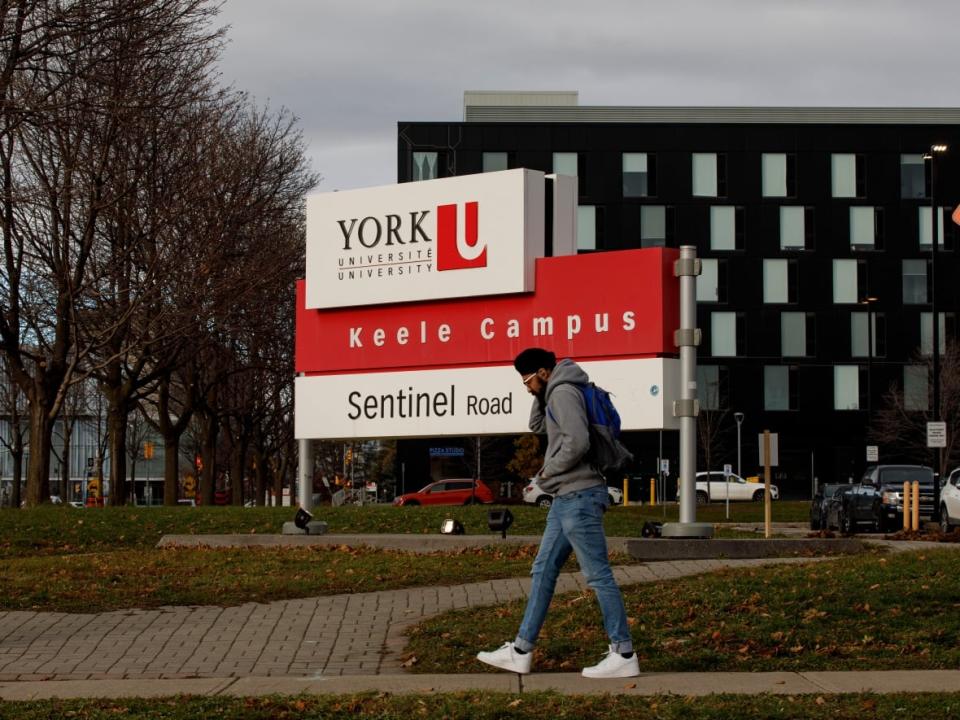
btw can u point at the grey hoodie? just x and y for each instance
(565, 467)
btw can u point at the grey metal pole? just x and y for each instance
(305, 475)
(687, 337)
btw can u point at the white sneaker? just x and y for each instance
(614, 665)
(506, 658)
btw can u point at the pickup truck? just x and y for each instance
(876, 502)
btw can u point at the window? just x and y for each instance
(846, 387)
(926, 333)
(723, 334)
(653, 226)
(424, 166)
(914, 181)
(566, 163)
(709, 175)
(709, 387)
(915, 282)
(796, 227)
(797, 334)
(586, 227)
(860, 334)
(848, 176)
(847, 280)
(924, 229)
(866, 227)
(916, 393)
(712, 283)
(779, 281)
(726, 227)
(494, 161)
(778, 175)
(779, 383)
(639, 175)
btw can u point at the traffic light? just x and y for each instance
(147, 450)
(349, 455)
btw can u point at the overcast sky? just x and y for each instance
(351, 69)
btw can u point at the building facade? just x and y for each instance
(815, 228)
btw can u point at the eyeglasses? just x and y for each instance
(528, 378)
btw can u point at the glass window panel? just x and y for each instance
(845, 281)
(653, 226)
(792, 231)
(635, 176)
(773, 168)
(424, 165)
(586, 227)
(860, 334)
(914, 282)
(707, 282)
(775, 289)
(846, 387)
(723, 334)
(844, 175)
(565, 164)
(708, 386)
(776, 387)
(923, 232)
(862, 226)
(723, 228)
(704, 174)
(913, 182)
(926, 333)
(793, 334)
(916, 395)
(494, 161)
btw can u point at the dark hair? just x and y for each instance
(532, 359)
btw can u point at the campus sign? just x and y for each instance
(463, 236)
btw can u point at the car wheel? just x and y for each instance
(882, 524)
(758, 496)
(544, 501)
(945, 525)
(613, 500)
(410, 503)
(846, 523)
(815, 523)
(701, 497)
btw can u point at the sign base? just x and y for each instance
(315, 527)
(687, 530)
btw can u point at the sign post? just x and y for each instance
(768, 457)
(727, 471)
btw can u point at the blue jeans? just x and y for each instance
(575, 523)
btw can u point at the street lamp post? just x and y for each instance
(936, 149)
(738, 416)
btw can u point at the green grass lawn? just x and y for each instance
(59, 530)
(856, 613)
(496, 706)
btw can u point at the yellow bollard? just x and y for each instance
(906, 505)
(653, 491)
(915, 505)
(626, 492)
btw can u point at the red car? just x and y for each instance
(448, 492)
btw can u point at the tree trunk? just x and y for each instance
(65, 458)
(17, 453)
(171, 467)
(208, 451)
(117, 413)
(279, 471)
(238, 470)
(260, 473)
(38, 469)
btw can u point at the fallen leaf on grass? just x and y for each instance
(631, 686)
(515, 703)
(410, 662)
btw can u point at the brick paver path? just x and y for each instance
(336, 635)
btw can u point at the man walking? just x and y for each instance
(575, 520)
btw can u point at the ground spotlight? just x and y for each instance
(451, 526)
(301, 519)
(651, 529)
(500, 520)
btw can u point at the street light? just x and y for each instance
(935, 149)
(869, 301)
(738, 416)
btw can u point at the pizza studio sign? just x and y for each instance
(418, 296)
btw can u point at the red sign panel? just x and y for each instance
(597, 306)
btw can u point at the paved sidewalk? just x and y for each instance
(360, 634)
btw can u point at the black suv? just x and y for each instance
(889, 480)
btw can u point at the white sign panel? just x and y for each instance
(727, 470)
(936, 434)
(468, 401)
(873, 453)
(454, 237)
(774, 450)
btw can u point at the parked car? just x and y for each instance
(740, 489)
(818, 506)
(854, 507)
(889, 479)
(535, 495)
(950, 502)
(448, 492)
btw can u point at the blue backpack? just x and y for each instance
(607, 454)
